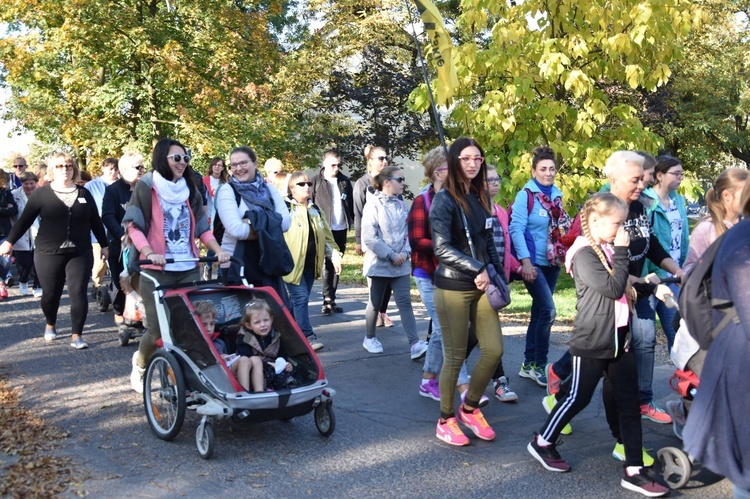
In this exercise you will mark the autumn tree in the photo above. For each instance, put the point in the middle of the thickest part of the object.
(709, 97)
(350, 81)
(547, 72)
(103, 76)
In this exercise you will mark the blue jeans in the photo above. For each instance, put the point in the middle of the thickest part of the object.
(643, 329)
(433, 361)
(542, 314)
(300, 296)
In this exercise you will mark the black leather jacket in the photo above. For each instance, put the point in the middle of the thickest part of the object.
(457, 269)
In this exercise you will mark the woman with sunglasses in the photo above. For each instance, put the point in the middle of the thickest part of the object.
(116, 196)
(376, 159)
(668, 214)
(163, 219)
(462, 236)
(63, 253)
(537, 222)
(387, 264)
(310, 241)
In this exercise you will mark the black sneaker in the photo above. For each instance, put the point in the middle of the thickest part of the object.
(325, 309)
(336, 309)
(548, 456)
(644, 483)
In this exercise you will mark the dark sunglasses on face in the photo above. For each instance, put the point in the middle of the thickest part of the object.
(381, 158)
(180, 157)
(400, 180)
(19, 166)
(66, 167)
(303, 184)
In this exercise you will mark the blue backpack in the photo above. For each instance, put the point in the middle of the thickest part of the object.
(530, 245)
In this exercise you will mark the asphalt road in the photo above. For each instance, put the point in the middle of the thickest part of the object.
(384, 443)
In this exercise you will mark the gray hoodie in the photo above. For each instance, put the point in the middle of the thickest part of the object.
(384, 236)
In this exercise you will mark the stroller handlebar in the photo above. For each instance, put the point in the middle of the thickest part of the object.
(135, 267)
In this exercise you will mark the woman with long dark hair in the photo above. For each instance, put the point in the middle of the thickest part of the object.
(464, 246)
(164, 217)
(217, 175)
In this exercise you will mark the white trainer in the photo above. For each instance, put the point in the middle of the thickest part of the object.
(372, 345)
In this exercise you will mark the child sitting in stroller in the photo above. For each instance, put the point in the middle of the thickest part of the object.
(262, 353)
(206, 312)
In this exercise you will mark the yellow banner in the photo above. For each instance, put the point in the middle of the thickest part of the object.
(442, 46)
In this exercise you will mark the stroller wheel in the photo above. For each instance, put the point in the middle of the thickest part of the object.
(164, 396)
(675, 466)
(102, 298)
(124, 335)
(325, 419)
(205, 439)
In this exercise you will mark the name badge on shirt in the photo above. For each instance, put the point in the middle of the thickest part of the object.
(343, 197)
(82, 200)
(488, 223)
(542, 212)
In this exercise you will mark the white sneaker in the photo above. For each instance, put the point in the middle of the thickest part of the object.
(23, 288)
(418, 350)
(49, 334)
(372, 345)
(136, 375)
(37, 292)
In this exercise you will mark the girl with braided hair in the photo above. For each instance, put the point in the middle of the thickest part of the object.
(600, 343)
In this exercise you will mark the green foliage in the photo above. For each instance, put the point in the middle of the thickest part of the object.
(548, 73)
(108, 76)
(710, 98)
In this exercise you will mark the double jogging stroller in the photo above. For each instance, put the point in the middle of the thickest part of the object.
(187, 372)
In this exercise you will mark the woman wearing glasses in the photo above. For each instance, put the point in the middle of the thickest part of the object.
(461, 222)
(668, 215)
(537, 222)
(62, 254)
(376, 159)
(244, 197)
(164, 217)
(387, 264)
(311, 242)
(116, 197)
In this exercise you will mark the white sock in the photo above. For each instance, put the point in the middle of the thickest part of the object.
(541, 442)
(633, 470)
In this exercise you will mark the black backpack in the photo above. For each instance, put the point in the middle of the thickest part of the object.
(697, 302)
(218, 226)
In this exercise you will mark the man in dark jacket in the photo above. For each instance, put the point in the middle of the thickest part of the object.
(116, 197)
(332, 193)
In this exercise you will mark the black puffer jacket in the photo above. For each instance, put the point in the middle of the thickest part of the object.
(457, 269)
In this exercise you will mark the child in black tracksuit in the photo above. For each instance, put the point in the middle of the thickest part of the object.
(600, 343)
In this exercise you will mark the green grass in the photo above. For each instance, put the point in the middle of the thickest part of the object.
(517, 311)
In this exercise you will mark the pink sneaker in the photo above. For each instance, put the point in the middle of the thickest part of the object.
(431, 390)
(654, 413)
(475, 422)
(450, 433)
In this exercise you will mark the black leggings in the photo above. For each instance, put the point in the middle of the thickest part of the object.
(115, 269)
(53, 271)
(621, 397)
(25, 265)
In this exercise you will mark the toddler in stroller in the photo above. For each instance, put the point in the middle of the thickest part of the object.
(263, 362)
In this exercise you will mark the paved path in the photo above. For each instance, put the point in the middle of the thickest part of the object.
(384, 443)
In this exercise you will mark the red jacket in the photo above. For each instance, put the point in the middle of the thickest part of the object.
(420, 235)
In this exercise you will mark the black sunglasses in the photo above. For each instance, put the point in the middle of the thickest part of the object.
(180, 157)
(381, 158)
(302, 184)
(400, 180)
